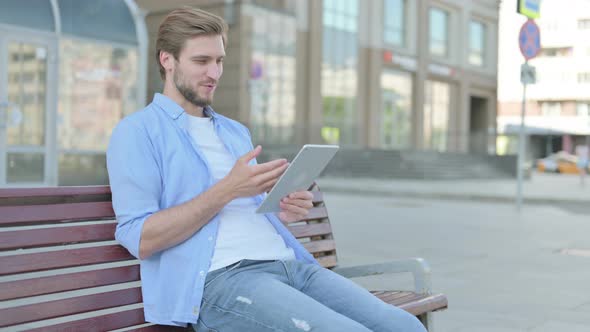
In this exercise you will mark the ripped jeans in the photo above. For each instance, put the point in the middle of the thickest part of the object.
(293, 296)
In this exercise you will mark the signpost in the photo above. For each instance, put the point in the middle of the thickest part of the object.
(529, 41)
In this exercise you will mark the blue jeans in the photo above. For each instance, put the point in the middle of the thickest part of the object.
(293, 296)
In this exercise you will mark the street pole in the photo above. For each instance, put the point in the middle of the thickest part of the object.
(521, 149)
(529, 42)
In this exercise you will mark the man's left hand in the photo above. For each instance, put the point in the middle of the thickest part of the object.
(296, 206)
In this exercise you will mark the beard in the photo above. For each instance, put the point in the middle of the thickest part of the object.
(191, 95)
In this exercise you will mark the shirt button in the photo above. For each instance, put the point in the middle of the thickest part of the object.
(202, 274)
(210, 238)
(196, 310)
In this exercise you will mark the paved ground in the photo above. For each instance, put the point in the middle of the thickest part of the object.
(539, 189)
(501, 269)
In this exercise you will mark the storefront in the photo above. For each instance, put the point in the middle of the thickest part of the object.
(69, 71)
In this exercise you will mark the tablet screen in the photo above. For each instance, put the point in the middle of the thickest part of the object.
(300, 175)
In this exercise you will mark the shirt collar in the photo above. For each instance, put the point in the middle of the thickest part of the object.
(174, 110)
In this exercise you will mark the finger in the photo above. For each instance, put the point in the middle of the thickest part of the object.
(304, 203)
(273, 174)
(268, 166)
(287, 217)
(294, 209)
(268, 185)
(301, 195)
(251, 154)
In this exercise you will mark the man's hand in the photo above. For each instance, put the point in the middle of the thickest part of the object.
(250, 180)
(296, 206)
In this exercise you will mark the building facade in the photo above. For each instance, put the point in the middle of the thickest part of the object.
(385, 74)
(558, 104)
(379, 74)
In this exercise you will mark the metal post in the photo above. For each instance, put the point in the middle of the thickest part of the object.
(586, 158)
(521, 149)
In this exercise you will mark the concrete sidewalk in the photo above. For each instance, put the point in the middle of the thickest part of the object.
(502, 270)
(539, 189)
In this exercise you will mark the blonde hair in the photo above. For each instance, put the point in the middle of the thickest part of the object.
(183, 24)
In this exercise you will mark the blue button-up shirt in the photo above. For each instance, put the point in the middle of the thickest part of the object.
(154, 164)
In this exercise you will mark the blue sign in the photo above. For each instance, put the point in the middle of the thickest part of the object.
(529, 8)
(529, 39)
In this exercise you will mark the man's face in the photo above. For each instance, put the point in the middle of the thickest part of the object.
(198, 69)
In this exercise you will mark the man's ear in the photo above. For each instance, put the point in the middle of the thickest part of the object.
(167, 61)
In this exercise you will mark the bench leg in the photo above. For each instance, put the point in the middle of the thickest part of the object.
(426, 320)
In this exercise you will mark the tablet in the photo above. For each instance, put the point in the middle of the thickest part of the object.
(303, 170)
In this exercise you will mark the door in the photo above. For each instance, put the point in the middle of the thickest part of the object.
(478, 125)
(28, 88)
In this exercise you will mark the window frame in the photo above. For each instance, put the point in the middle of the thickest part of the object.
(447, 42)
(404, 25)
(484, 47)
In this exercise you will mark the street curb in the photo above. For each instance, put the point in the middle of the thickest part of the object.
(448, 196)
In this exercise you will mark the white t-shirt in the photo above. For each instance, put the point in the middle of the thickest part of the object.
(242, 234)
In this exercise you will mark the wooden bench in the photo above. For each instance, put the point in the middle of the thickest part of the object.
(61, 270)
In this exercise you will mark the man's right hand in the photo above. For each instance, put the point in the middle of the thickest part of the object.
(251, 180)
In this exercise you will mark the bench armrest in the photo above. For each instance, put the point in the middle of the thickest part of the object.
(417, 266)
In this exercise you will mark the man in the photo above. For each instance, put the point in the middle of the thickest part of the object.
(185, 187)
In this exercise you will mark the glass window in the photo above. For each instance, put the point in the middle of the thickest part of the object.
(583, 109)
(27, 70)
(105, 20)
(551, 108)
(477, 41)
(24, 167)
(396, 109)
(584, 24)
(21, 13)
(556, 51)
(272, 76)
(439, 32)
(584, 77)
(339, 71)
(394, 22)
(77, 169)
(98, 87)
(437, 101)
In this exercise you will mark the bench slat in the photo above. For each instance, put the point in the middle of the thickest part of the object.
(428, 304)
(318, 197)
(70, 306)
(28, 214)
(100, 323)
(31, 238)
(67, 282)
(408, 299)
(320, 245)
(300, 231)
(54, 191)
(62, 258)
(316, 213)
(327, 261)
(162, 328)
(395, 297)
(413, 303)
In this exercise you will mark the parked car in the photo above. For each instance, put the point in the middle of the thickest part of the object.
(560, 162)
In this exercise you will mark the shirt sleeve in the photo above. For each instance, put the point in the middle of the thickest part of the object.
(135, 181)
